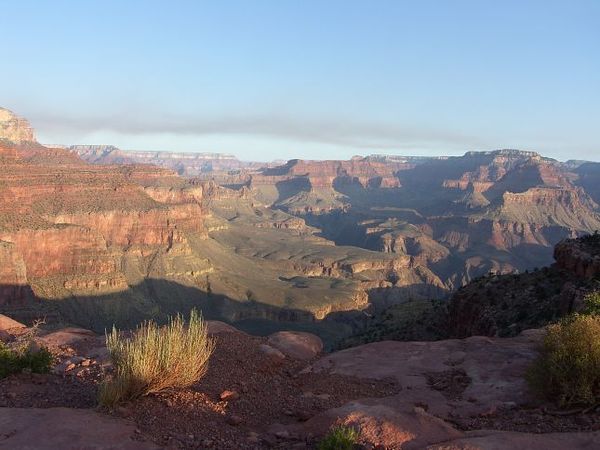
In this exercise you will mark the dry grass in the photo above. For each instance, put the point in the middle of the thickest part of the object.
(156, 358)
(568, 368)
(339, 438)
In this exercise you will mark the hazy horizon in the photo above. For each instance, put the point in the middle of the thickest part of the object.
(280, 80)
(364, 154)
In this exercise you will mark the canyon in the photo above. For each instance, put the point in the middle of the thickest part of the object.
(310, 274)
(95, 235)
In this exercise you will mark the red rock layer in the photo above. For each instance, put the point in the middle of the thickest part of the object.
(66, 225)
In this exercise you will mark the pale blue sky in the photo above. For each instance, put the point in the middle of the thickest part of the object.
(312, 79)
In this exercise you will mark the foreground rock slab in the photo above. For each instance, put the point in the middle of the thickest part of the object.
(451, 377)
(66, 429)
(68, 336)
(504, 440)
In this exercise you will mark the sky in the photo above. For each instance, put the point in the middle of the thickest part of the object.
(323, 79)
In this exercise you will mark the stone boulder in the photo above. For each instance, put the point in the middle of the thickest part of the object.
(7, 324)
(68, 336)
(296, 344)
(216, 327)
(383, 422)
(271, 352)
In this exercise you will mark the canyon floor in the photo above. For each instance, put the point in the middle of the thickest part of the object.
(283, 392)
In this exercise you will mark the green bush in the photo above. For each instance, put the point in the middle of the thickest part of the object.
(592, 303)
(156, 358)
(339, 438)
(567, 370)
(14, 360)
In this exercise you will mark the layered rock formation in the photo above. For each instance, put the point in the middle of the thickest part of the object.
(314, 186)
(186, 163)
(460, 217)
(587, 175)
(66, 227)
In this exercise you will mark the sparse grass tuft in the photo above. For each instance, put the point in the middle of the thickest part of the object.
(339, 438)
(156, 358)
(567, 370)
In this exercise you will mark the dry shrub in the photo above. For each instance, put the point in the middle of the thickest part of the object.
(156, 358)
(25, 354)
(567, 370)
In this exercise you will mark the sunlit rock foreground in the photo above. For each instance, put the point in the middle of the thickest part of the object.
(282, 392)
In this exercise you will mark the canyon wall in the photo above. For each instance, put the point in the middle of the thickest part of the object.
(184, 163)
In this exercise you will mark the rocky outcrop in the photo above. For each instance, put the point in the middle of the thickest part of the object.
(483, 362)
(296, 344)
(570, 208)
(503, 305)
(14, 128)
(581, 257)
(445, 384)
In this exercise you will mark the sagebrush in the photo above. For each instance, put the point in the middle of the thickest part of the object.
(567, 370)
(155, 358)
(339, 438)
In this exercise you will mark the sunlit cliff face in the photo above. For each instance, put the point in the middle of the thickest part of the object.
(14, 128)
